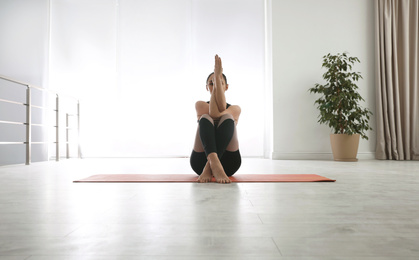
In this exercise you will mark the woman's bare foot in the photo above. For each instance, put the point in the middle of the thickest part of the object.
(206, 175)
(217, 169)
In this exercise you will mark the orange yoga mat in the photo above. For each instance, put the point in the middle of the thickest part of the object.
(194, 178)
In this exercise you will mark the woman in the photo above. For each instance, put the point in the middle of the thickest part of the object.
(216, 149)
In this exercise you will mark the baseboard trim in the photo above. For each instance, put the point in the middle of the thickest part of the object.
(317, 156)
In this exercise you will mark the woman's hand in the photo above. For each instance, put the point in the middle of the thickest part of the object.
(218, 101)
(218, 67)
(219, 83)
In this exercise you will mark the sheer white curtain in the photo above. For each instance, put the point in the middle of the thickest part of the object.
(139, 67)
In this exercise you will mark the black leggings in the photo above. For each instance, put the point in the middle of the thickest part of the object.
(220, 138)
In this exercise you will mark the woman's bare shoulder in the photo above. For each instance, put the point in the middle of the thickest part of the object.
(235, 111)
(235, 108)
(201, 103)
(201, 108)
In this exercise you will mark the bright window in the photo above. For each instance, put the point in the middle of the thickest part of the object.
(140, 66)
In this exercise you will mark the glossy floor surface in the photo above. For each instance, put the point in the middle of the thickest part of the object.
(370, 212)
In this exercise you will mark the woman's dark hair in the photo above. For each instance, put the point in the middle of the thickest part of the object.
(224, 76)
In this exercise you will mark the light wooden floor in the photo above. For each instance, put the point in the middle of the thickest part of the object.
(371, 212)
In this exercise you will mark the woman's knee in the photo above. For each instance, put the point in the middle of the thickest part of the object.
(207, 117)
(225, 117)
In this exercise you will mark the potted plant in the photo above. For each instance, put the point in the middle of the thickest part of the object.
(339, 106)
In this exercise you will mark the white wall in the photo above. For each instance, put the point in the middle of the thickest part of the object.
(303, 31)
(24, 26)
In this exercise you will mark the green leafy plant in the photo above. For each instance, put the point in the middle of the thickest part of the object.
(339, 104)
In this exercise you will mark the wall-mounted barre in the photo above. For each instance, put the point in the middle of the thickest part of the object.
(28, 139)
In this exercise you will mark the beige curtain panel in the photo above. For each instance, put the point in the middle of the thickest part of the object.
(397, 56)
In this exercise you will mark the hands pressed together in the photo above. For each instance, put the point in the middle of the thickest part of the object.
(218, 67)
(218, 73)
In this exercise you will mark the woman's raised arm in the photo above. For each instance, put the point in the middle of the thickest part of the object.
(220, 85)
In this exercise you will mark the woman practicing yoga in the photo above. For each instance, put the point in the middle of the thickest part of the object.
(216, 149)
